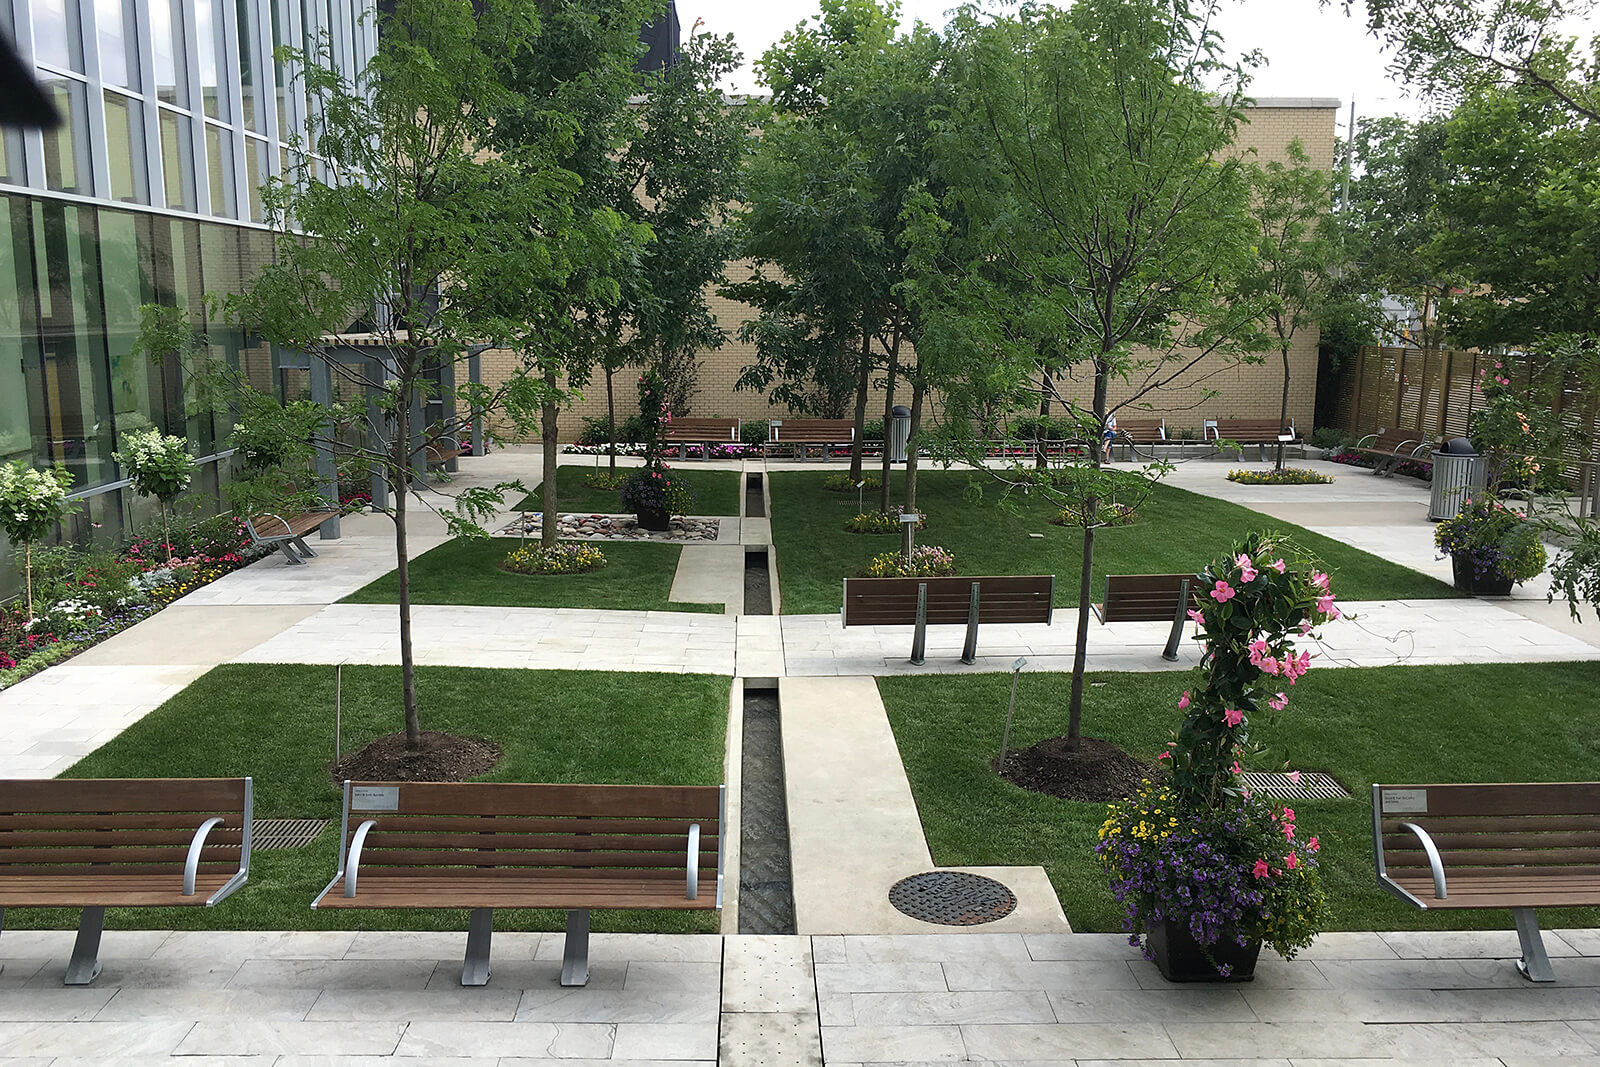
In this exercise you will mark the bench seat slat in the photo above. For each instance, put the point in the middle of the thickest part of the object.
(1519, 857)
(492, 838)
(119, 890)
(113, 855)
(893, 601)
(220, 835)
(1446, 839)
(1480, 801)
(120, 796)
(694, 803)
(678, 826)
(381, 889)
(492, 856)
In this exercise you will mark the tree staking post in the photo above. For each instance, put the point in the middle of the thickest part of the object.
(908, 529)
(1005, 736)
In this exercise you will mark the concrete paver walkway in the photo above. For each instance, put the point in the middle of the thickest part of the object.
(345, 999)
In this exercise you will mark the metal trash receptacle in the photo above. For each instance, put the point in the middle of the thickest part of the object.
(899, 432)
(1458, 471)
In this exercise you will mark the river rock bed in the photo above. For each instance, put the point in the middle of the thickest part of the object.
(578, 527)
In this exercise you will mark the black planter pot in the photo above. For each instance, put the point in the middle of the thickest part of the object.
(1468, 581)
(654, 520)
(1181, 959)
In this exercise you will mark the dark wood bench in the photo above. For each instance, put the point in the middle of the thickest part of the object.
(796, 434)
(289, 529)
(1518, 846)
(1258, 432)
(922, 602)
(708, 432)
(1392, 448)
(482, 846)
(1136, 432)
(1149, 598)
(98, 843)
(440, 449)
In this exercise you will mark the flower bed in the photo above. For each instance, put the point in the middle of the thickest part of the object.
(1286, 476)
(1109, 515)
(842, 483)
(1411, 468)
(880, 522)
(84, 597)
(927, 561)
(562, 559)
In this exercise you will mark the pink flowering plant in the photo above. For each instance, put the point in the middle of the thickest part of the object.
(1197, 848)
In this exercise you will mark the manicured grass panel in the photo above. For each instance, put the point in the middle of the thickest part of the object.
(1177, 531)
(637, 577)
(715, 492)
(1489, 723)
(274, 722)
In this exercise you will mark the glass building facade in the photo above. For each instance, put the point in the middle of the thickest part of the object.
(174, 114)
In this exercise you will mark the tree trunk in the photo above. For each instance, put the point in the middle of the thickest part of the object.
(27, 574)
(399, 486)
(1091, 510)
(1039, 457)
(611, 418)
(888, 418)
(1283, 413)
(547, 422)
(918, 390)
(863, 388)
(166, 531)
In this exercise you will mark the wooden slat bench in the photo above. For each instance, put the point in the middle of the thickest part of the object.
(289, 529)
(439, 450)
(922, 602)
(796, 434)
(686, 432)
(1258, 432)
(98, 843)
(1136, 432)
(1149, 598)
(1518, 845)
(1392, 448)
(482, 846)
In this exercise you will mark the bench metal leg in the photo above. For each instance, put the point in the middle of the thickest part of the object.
(288, 554)
(575, 956)
(84, 967)
(2, 927)
(919, 640)
(1534, 964)
(480, 931)
(1171, 652)
(969, 651)
(303, 548)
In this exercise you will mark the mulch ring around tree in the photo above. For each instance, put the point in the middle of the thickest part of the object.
(442, 757)
(1097, 773)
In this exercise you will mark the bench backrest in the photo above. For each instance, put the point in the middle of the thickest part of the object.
(1389, 440)
(893, 601)
(1249, 431)
(110, 826)
(1141, 431)
(717, 430)
(1146, 597)
(1534, 824)
(462, 826)
(814, 431)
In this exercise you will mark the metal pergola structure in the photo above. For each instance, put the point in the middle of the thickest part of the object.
(373, 359)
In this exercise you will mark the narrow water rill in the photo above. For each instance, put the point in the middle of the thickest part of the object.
(755, 504)
(766, 896)
(757, 584)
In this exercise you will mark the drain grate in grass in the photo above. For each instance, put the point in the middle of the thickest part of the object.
(1313, 785)
(285, 833)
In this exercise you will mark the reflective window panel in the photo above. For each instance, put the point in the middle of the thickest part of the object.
(119, 42)
(125, 149)
(166, 27)
(66, 148)
(177, 161)
(219, 167)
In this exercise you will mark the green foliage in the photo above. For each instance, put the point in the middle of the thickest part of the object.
(927, 561)
(843, 483)
(1575, 574)
(1494, 539)
(563, 559)
(879, 522)
(597, 431)
(754, 431)
(606, 481)
(32, 501)
(158, 465)
(1330, 437)
(656, 488)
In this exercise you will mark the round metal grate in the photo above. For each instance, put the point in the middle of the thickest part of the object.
(952, 898)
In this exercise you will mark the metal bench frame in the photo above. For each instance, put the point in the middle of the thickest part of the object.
(969, 648)
(288, 537)
(1170, 653)
(1390, 462)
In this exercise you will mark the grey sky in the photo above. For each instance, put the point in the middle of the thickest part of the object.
(1311, 50)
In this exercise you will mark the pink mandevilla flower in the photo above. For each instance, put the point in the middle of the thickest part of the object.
(1326, 607)
(1268, 665)
(1183, 701)
(1278, 565)
(1294, 776)
(1233, 717)
(1261, 870)
(1291, 861)
(1319, 580)
(1312, 845)
(1222, 593)
(1279, 702)
(1194, 614)
(1236, 769)
(1247, 570)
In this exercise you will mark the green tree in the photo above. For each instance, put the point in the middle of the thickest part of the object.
(432, 235)
(1092, 146)
(31, 503)
(1294, 255)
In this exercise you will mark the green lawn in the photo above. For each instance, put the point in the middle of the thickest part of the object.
(637, 577)
(274, 722)
(1177, 532)
(715, 492)
(1489, 723)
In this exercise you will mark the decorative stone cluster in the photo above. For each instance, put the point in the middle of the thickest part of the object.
(613, 528)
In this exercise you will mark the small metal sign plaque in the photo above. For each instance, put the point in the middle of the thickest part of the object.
(1404, 801)
(375, 798)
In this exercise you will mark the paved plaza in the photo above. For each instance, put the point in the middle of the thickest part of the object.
(860, 983)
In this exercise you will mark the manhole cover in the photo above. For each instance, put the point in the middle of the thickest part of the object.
(1313, 785)
(285, 833)
(952, 898)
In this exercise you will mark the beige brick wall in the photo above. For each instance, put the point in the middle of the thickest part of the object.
(1211, 391)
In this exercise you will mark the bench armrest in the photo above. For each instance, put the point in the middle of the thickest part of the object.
(692, 888)
(257, 534)
(191, 864)
(1434, 861)
(354, 859)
